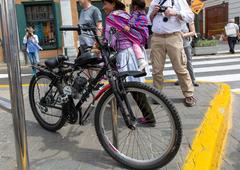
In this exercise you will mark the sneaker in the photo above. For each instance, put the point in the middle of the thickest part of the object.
(98, 87)
(142, 64)
(190, 101)
(146, 123)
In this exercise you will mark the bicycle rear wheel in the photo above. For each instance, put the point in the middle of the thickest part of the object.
(154, 142)
(46, 109)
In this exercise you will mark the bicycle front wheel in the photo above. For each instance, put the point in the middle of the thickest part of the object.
(157, 136)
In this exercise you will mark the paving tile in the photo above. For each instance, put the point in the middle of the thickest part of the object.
(77, 148)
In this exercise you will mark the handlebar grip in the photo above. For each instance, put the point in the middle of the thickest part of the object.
(69, 28)
(87, 27)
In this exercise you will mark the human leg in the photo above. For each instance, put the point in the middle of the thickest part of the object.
(140, 56)
(179, 61)
(158, 57)
(188, 52)
(230, 43)
(32, 59)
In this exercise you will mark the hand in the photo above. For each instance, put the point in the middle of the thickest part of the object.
(95, 45)
(182, 34)
(156, 10)
(170, 12)
(127, 28)
(95, 49)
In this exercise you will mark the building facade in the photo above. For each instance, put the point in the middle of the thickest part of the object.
(46, 16)
(216, 15)
(234, 10)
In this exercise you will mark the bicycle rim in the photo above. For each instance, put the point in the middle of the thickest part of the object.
(46, 113)
(149, 143)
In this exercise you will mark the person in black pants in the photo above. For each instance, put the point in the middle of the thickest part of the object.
(232, 32)
(232, 42)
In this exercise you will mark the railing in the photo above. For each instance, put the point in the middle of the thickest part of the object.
(16, 104)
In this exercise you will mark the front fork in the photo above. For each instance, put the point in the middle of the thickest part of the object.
(121, 95)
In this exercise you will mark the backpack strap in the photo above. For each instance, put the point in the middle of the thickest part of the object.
(164, 1)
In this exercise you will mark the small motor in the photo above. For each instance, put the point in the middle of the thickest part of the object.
(78, 86)
(67, 91)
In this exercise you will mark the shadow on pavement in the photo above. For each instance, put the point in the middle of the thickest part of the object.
(69, 148)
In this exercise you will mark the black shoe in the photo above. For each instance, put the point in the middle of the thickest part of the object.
(196, 84)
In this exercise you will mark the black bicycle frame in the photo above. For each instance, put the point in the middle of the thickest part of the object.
(115, 81)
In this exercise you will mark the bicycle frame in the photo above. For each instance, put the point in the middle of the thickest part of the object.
(115, 82)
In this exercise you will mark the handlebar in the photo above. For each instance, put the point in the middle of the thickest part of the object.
(69, 28)
(78, 28)
(88, 27)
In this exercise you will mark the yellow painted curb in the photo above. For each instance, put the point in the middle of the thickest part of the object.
(23, 85)
(209, 143)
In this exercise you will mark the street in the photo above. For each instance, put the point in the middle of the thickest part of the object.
(219, 68)
(213, 68)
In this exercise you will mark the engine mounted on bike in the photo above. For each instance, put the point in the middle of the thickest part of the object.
(78, 86)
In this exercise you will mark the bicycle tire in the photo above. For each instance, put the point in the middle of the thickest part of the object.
(135, 164)
(46, 125)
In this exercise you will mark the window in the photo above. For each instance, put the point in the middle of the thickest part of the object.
(42, 19)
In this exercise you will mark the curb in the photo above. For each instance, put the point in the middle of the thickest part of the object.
(209, 142)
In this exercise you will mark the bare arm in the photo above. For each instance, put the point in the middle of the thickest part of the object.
(97, 17)
(184, 12)
(237, 29)
(99, 28)
(153, 10)
(192, 31)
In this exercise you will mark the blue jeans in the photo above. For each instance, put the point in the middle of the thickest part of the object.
(34, 59)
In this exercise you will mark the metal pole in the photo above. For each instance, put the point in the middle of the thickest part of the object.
(114, 122)
(11, 51)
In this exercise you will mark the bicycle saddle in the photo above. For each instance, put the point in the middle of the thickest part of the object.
(87, 58)
(54, 62)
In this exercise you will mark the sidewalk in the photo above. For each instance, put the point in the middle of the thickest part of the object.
(224, 48)
(77, 148)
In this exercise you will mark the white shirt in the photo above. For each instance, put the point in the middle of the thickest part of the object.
(34, 39)
(173, 24)
(232, 29)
